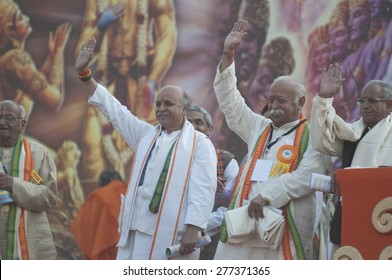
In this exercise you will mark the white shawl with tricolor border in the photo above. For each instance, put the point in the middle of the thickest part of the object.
(173, 197)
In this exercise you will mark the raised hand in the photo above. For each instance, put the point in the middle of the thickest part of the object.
(110, 15)
(331, 81)
(231, 42)
(86, 55)
(234, 38)
(58, 41)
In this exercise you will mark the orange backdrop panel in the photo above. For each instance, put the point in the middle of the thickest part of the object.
(361, 190)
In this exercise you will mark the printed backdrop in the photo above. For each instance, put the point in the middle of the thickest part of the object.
(160, 42)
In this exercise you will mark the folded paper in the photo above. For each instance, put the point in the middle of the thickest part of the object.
(268, 230)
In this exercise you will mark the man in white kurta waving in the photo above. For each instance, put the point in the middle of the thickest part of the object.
(365, 143)
(173, 180)
(279, 147)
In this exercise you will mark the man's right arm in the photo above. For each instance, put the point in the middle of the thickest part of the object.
(128, 125)
(326, 126)
(232, 41)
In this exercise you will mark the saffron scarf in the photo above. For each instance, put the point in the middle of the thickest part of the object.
(242, 192)
(21, 166)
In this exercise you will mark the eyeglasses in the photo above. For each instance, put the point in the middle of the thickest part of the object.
(9, 118)
(370, 101)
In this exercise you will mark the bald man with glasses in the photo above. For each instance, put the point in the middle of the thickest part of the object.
(364, 143)
(28, 188)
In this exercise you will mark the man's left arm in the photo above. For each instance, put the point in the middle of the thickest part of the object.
(33, 195)
(201, 193)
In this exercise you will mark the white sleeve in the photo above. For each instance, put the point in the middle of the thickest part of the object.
(202, 184)
(128, 125)
(231, 170)
(215, 221)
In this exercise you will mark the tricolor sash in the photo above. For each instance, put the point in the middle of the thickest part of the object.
(21, 166)
(176, 185)
(241, 191)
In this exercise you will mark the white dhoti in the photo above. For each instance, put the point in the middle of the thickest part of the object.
(138, 248)
(226, 251)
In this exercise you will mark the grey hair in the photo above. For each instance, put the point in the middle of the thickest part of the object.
(206, 115)
(386, 89)
(22, 112)
(186, 99)
(298, 85)
(21, 109)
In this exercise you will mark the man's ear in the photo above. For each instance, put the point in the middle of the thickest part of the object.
(210, 129)
(389, 105)
(22, 125)
(301, 102)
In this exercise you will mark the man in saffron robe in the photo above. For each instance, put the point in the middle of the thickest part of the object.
(281, 142)
(95, 226)
(28, 188)
(173, 178)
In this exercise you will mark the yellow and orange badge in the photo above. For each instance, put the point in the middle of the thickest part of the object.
(36, 177)
(286, 155)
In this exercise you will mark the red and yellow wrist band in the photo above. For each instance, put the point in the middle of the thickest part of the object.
(85, 75)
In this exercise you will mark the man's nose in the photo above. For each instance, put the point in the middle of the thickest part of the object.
(273, 104)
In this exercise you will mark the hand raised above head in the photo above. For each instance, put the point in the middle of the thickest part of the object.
(231, 42)
(110, 15)
(234, 38)
(86, 55)
(331, 81)
(59, 39)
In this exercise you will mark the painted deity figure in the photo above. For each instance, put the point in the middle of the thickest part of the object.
(376, 57)
(70, 188)
(318, 60)
(277, 59)
(136, 43)
(339, 42)
(358, 25)
(20, 80)
(247, 55)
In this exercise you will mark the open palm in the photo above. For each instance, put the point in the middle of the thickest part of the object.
(235, 36)
(86, 55)
(331, 81)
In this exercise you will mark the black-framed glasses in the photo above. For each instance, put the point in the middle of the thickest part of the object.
(371, 101)
(10, 118)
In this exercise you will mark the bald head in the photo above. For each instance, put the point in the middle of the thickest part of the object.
(171, 105)
(185, 98)
(12, 122)
(12, 105)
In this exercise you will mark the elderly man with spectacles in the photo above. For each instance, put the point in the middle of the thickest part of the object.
(28, 188)
(364, 143)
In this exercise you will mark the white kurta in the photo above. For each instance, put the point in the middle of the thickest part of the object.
(279, 190)
(199, 196)
(216, 218)
(329, 131)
